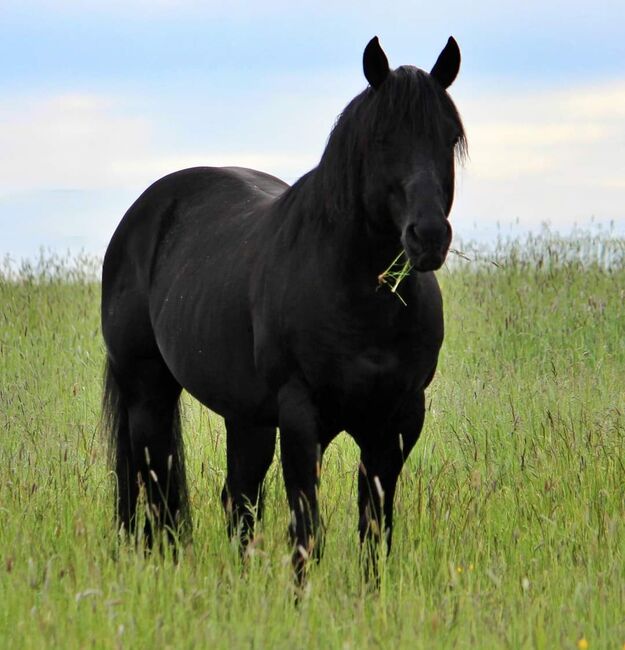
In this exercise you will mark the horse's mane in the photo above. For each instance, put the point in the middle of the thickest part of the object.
(408, 99)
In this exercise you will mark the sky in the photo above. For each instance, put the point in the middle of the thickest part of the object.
(99, 99)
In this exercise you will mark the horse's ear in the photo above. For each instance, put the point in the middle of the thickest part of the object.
(448, 63)
(375, 63)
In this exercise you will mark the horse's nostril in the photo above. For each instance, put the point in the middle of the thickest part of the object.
(430, 233)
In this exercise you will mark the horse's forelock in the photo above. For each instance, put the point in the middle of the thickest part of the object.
(415, 102)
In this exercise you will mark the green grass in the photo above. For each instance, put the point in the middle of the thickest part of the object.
(510, 512)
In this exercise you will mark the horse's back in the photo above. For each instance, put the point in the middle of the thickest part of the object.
(171, 203)
(188, 191)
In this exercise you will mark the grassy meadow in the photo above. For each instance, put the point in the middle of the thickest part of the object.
(510, 514)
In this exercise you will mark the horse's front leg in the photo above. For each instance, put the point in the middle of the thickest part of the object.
(250, 451)
(301, 451)
(382, 458)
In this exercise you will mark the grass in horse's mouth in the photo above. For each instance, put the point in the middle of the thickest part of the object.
(397, 270)
(400, 268)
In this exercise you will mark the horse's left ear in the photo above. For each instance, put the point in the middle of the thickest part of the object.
(375, 63)
(447, 65)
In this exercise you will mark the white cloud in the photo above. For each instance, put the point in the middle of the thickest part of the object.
(82, 141)
(547, 155)
(65, 141)
(605, 102)
(545, 131)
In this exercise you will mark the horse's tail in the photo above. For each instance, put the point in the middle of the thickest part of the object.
(116, 431)
(116, 427)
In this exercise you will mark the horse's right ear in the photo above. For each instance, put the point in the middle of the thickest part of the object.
(375, 63)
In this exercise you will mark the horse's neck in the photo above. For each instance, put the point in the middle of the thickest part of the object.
(369, 253)
(336, 232)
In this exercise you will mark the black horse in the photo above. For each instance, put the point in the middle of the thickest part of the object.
(263, 301)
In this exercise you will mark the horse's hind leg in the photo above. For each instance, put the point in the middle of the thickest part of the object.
(148, 447)
(250, 451)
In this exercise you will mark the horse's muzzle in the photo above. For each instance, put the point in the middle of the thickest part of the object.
(427, 247)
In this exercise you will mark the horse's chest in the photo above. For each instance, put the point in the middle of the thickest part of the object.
(366, 369)
(374, 374)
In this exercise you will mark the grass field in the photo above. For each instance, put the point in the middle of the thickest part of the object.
(510, 525)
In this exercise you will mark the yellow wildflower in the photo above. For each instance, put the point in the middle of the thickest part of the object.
(582, 644)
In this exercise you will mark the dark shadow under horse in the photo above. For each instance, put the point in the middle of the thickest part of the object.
(263, 301)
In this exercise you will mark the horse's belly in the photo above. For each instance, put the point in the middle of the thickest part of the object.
(210, 353)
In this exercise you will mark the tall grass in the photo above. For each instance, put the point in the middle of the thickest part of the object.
(510, 528)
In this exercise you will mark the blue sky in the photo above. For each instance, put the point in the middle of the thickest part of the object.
(98, 99)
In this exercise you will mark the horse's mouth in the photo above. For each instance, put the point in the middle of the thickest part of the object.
(428, 260)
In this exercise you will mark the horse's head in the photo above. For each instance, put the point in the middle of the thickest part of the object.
(409, 136)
